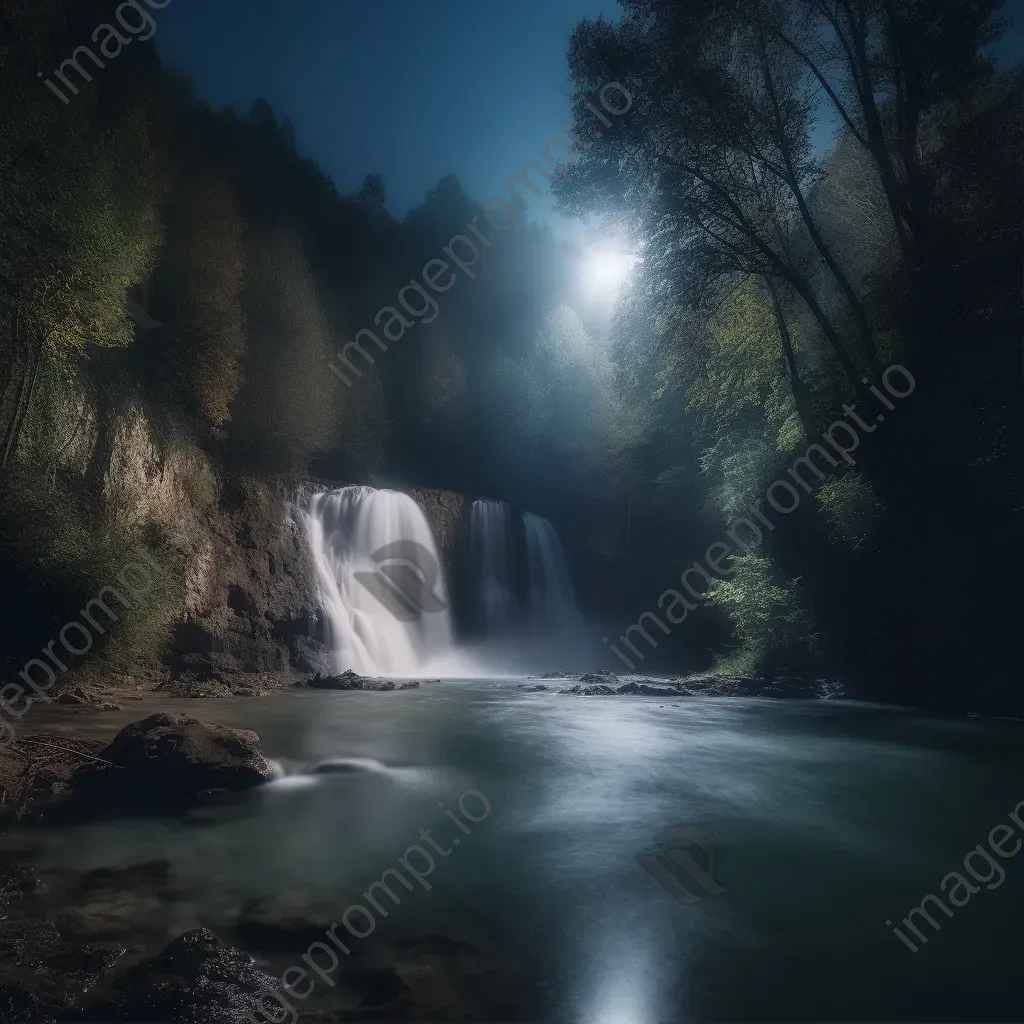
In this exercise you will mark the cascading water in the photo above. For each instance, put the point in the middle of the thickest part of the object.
(490, 544)
(552, 601)
(381, 584)
(543, 627)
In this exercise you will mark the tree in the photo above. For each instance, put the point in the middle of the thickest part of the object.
(75, 235)
(287, 410)
(716, 151)
(200, 283)
(372, 191)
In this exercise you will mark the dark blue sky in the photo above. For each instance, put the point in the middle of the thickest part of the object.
(407, 88)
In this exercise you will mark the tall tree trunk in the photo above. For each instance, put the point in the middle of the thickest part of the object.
(856, 306)
(909, 222)
(8, 364)
(27, 392)
(803, 288)
(25, 363)
(801, 394)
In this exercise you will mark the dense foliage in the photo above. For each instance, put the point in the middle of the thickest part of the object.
(783, 270)
(175, 281)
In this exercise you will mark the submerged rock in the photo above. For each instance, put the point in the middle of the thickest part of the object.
(445, 978)
(292, 919)
(111, 915)
(123, 903)
(150, 872)
(194, 980)
(175, 756)
(348, 765)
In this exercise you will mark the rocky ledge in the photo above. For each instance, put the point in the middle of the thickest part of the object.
(349, 680)
(700, 684)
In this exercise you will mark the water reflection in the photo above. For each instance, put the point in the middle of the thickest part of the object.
(827, 817)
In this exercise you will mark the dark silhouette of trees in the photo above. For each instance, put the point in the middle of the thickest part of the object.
(747, 218)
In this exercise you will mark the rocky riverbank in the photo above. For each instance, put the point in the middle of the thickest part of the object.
(92, 945)
(698, 684)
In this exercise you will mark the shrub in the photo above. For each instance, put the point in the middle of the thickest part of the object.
(768, 617)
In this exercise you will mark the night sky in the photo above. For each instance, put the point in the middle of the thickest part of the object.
(412, 90)
(409, 89)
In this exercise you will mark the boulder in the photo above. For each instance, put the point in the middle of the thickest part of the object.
(76, 696)
(194, 980)
(596, 690)
(175, 756)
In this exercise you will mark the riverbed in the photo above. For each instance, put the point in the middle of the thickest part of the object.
(826, 819)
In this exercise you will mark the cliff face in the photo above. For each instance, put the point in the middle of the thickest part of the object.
(241, 586)
(242, 594)
(249, 585)
(248, 588)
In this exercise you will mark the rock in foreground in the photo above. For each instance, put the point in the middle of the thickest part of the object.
(195, 980)
(176, 757)
(42, 975)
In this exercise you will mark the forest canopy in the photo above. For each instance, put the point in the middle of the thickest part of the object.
(799, 185)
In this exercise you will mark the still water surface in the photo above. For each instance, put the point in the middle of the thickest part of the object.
(830, 818)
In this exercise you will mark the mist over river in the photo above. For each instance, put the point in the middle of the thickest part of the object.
(829, 819)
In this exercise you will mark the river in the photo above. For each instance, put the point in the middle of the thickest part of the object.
(829, 818)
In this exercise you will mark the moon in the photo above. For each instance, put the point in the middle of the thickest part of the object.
(605, 270)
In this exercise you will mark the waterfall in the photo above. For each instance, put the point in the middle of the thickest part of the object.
(490, 545)
(552, 602)
(381, 583)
